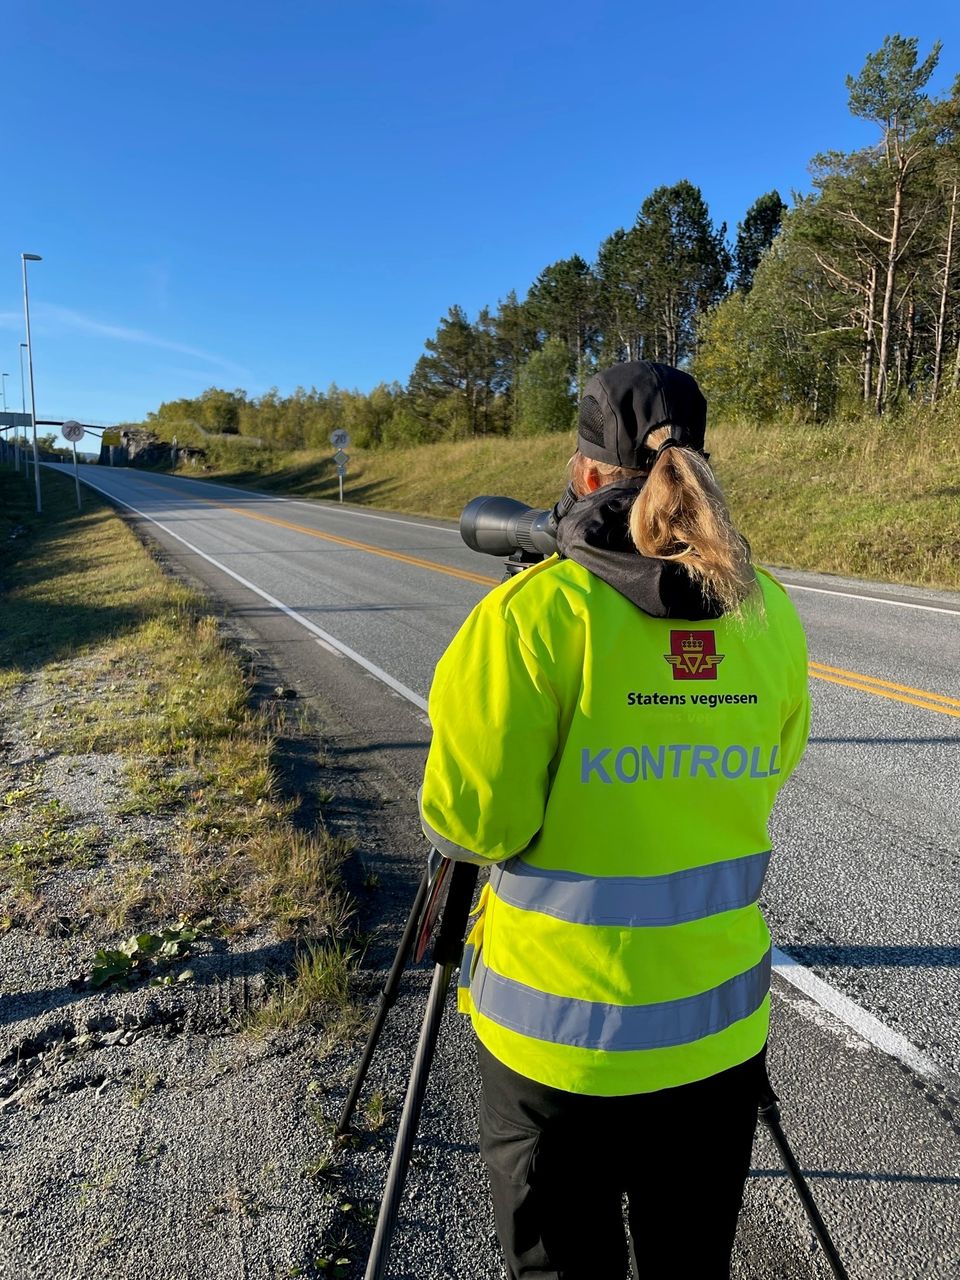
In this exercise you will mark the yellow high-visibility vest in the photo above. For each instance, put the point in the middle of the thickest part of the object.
(619, 770)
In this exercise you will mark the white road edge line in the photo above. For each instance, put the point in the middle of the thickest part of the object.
(846, 1011)
(835, 1002)
(437, 528)
(850, 595)
(304, 502)
(318, 632)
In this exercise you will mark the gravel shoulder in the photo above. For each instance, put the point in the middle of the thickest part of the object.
(164, 1129)
(168, 803)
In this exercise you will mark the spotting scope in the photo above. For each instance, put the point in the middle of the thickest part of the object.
(500, 526)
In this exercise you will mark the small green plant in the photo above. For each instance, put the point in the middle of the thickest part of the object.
(19, 795)
(375, 1110)
(142, 1085)
(151, 1153)
(368, 1212)
(326, 1166)
(100, 1180)
(335, 1259)
(53, 812)
(140, 955)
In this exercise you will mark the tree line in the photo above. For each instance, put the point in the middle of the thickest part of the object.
(848, 298)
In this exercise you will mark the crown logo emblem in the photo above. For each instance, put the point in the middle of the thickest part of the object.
(693, 655)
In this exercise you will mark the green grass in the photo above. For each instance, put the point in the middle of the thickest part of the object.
(870, 498)
(100, 651)
(320, 985)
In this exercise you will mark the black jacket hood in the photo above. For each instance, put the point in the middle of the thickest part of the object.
(594, 533)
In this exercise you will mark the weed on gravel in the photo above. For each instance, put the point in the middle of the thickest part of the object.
(319, 984)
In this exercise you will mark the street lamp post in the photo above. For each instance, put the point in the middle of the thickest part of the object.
(25, 258)
(23, 410)
(3, 388)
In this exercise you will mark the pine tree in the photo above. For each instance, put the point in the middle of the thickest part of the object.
(755, 234)
(453, 382)
(683, 262)
(621, 299)
(563, 303)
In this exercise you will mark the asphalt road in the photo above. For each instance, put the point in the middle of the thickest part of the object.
(357, 606)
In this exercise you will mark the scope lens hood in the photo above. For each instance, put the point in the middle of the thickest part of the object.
(499, 526)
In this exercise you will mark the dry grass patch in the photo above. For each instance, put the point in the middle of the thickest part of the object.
(292, 881)
(125, 895)
(102, 654)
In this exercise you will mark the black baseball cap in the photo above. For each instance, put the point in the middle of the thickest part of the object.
(623, 404)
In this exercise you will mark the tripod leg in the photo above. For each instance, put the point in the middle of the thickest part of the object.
(447, 955)
(387, 999)
(770, 1115)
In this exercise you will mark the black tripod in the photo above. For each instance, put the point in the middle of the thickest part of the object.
(447, 954)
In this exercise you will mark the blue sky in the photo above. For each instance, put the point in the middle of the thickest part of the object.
(238, 195)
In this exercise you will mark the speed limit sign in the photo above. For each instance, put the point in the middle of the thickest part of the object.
(72, 431)
(340, 439)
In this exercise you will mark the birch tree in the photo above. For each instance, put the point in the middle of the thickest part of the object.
(890, 92)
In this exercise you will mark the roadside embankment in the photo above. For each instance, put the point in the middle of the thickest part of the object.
(176, 946)
(869, 498)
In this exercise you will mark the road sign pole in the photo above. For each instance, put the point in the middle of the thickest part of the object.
(73, 432)
(340, 439)
(76, 476)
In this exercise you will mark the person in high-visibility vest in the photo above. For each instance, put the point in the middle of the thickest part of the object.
(610, 731)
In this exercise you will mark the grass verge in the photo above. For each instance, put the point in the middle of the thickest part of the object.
(867, 497)
(119, 696)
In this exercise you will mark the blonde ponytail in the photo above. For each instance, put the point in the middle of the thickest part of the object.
(680, 515)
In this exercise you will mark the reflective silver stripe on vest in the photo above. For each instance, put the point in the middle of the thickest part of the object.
(632, 901)
(466, 964)
(613, 1027)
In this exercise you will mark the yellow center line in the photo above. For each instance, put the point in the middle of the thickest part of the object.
(819, 670)
(932, 704)
(817, 667)
(464, 574)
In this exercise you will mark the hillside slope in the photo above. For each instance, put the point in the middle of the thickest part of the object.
(872, 499)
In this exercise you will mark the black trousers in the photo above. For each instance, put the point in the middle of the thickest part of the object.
(560, 1163)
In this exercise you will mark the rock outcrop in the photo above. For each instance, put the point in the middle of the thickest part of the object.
(141, 448)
